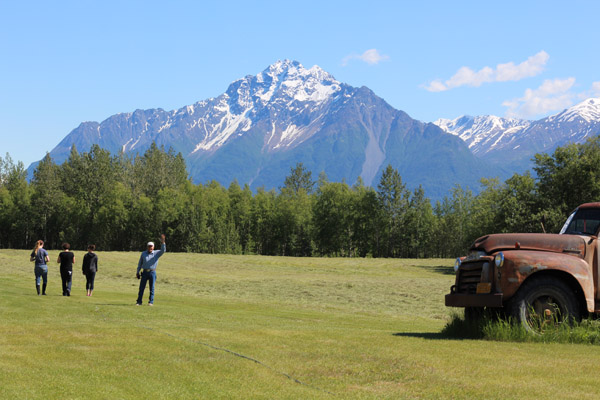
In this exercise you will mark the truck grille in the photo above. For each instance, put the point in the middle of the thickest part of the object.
(468, 277)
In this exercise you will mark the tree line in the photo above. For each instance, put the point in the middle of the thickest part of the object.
(118, 202)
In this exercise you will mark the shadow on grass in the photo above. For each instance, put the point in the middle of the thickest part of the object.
(441, 269)
(427, 335)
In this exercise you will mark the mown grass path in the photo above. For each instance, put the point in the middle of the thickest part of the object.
(251, 327)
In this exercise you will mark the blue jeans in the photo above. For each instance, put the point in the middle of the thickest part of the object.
(150, 277)
(41, 272)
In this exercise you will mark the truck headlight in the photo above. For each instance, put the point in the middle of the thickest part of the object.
(499, 260)
(457, 264)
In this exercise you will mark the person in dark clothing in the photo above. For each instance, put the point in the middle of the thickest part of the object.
(89, 268)
(66, 259)
(40, 256)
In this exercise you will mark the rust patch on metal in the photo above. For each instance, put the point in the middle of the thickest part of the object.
(529, 269)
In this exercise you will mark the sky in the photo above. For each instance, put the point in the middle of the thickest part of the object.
(66, 62)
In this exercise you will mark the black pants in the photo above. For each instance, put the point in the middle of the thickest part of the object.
(66, 277)
(89, 280)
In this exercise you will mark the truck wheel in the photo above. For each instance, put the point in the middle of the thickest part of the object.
(543, 302)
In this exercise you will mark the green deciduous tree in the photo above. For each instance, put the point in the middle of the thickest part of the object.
(48, 203)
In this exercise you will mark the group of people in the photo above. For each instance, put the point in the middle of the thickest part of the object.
(66, 259)
(146, 270)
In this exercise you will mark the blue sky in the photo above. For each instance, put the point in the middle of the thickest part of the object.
(65, 62)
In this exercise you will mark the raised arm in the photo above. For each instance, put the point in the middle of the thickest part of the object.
(163, 245)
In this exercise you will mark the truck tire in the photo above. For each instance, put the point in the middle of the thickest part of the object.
(544, 301)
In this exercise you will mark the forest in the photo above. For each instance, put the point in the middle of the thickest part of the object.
(118, 202)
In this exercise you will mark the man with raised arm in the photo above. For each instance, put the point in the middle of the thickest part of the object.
(147, 265)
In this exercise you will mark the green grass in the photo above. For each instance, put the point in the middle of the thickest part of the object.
(586, 331)
(343, 328)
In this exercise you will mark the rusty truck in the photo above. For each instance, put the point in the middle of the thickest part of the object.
(533, 277)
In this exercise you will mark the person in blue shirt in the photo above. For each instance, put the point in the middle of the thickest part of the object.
(40, 256)
(147, 264)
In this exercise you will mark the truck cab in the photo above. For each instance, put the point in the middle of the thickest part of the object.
(533, 275)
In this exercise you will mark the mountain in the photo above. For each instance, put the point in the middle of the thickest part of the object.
(483, 134)
(514, 141)
(264, 124)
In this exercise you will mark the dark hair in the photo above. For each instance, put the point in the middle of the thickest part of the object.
(66, 246)
(91, 247)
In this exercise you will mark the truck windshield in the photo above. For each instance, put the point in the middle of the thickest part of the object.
(584, 221)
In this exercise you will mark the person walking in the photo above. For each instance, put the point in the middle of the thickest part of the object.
(40, 256)
(89, 268)
(147, 264)
(66, 259)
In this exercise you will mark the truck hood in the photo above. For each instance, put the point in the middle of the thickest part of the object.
(571, 244)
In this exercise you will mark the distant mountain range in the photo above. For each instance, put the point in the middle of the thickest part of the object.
(264, 124)
(507, 141)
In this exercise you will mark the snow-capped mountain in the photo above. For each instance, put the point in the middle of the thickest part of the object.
(588, 111)
(285, 89)
(264, 124)
(483, 133)
(503, 140)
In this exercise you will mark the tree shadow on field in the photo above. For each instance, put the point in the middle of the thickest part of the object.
(440, 269)
(426, 335)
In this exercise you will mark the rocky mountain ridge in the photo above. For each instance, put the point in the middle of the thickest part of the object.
(502, 140)
(263, 124)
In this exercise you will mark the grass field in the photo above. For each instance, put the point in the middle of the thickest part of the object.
(251, 327)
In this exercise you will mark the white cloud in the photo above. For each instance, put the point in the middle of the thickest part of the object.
(552, 95)
(371, 57)
(596, 89)
(465, 76)
(533, 66)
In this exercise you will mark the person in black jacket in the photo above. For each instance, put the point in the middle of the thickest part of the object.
(89, 268)
(66, 259)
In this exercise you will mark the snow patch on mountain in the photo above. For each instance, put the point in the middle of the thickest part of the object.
(588, 111)
(285, 91)
(227, 126)
(494, 136)
(483, 133)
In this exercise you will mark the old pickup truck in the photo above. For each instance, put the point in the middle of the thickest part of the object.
(533, 276)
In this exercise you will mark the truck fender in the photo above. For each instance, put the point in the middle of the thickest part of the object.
(520, 265)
